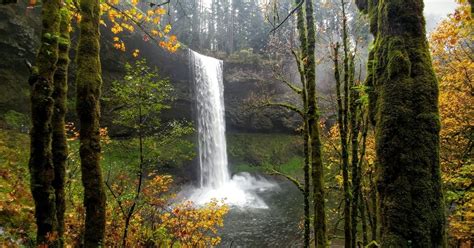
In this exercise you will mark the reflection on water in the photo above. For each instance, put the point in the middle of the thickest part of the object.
(277, 226)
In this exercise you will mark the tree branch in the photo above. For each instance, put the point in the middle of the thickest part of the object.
(290, 178)
(287, 17)
(287, 106)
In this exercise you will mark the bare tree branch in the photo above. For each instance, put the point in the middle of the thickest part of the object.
(285, 105)
(288, 16)
(290, 178)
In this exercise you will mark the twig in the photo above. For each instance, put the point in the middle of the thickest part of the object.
(288, 16)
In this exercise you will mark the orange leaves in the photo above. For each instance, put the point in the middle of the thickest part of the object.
(160, 11)
(157, 222)
(120, 46)
(127, 18)
(195, 226)
(171, 44)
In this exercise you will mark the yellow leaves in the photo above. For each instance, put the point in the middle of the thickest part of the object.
(120, 46)
(167, 28)
(128, 27)
(186, 224)
(160, 11)
(136, 52)
(77, 16)
(126, 18)
(155, 32)
(116, 28)
(172, 44)
(156, 20)
(453, 64)
(195, 226)
(114, 2)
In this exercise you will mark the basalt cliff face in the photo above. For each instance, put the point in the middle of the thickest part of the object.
(243, 79)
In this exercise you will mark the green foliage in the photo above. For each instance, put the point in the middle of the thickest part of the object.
(259, 152)
(16, 120)
(140, 97)
(246, 56)
(16, 205)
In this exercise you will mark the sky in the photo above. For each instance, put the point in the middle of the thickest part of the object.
(432, 7)
(439, 7)
(436, 10)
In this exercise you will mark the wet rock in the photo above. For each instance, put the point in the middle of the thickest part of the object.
(19, 40)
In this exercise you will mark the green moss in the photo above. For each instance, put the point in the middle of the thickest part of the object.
(405, 112)
(89, 83)
(41, 165)
(262, 149)
(59, 142)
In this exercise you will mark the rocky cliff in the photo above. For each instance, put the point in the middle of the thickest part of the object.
(19, 35)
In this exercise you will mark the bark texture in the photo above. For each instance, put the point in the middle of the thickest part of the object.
(319, 222)
(40, 164)
(88, 85)
(59, 142)
(301, 25)
(344, 132)
(404, 106)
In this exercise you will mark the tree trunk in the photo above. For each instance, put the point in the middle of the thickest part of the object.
(307, 150)
(40, 164)
(59, 142)
(319, 223)
(88, 83)
(407, 126)
(355, 128)
(362, 202)
(344, 133)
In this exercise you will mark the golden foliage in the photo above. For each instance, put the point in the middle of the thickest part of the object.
(127, 18)
(452, 49)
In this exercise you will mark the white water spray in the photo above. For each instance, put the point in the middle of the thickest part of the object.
(215, 180)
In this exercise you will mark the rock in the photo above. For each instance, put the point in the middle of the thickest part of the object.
(19, 40)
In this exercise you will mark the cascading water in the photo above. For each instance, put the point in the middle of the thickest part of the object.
(209, 92)
(215, 181)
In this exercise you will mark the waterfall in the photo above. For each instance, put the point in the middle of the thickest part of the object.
(215, 182)
(209, 91)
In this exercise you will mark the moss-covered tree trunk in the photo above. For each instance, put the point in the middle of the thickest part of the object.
(405, 102)
(354, 112)
(89, 81)
(301, 26)
(319, 222)
(362, 203)
(59, 142)
(40, 164)
(344, 132)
